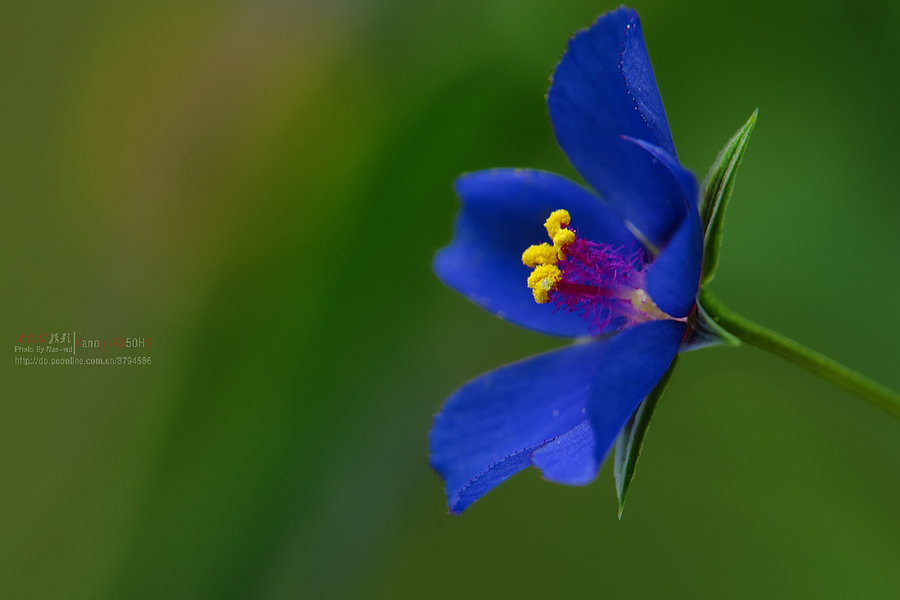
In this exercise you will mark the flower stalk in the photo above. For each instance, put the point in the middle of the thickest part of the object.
(838, 374)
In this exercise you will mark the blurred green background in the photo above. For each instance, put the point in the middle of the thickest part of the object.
(260, 186)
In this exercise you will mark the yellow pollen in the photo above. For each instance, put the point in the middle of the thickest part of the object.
(545, 254)
(543, 279)
(561, 239)
(556, 221)
(543, 258)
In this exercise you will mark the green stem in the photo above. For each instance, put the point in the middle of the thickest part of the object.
(748, 331)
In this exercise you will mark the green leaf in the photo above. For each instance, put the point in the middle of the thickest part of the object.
(716, 192)
(628, 445)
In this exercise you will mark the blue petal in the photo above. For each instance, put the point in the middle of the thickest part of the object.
(503, 212)
(674, 277)
(569, 458)
(641, 83)
(637, 359)
(489, 428)
(535, 412)
(687, 183)
(603, 88)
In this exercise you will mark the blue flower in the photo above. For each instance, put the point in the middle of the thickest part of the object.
(620, 273)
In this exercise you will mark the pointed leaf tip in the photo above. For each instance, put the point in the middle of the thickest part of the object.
(717, 191)
(631, 440)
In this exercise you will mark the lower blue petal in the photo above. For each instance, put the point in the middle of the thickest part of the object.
(502, 213)
(488, 428)
(536, 412)
(569, 458)
(635, 361)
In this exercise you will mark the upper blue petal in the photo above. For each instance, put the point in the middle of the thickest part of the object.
(674, 277)
(603, 88)
(635, 364)
(536, 412)
(502, 213)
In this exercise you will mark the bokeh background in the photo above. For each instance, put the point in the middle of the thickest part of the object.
(260, 187)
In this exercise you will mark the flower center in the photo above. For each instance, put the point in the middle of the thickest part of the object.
(602, 282)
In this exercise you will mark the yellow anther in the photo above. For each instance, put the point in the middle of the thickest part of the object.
(561, 239)
(545, 254)
(543, 258)
(543, 279)
(557, 220)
